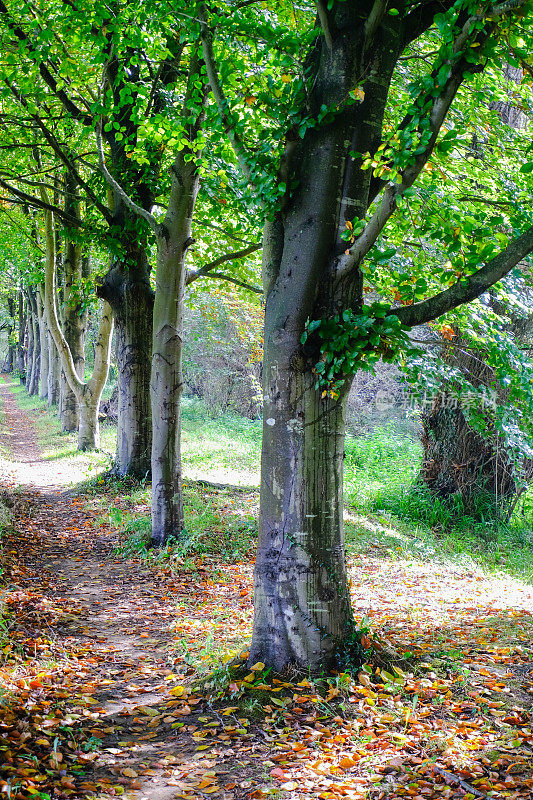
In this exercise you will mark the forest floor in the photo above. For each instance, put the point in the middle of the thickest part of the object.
(100, 656)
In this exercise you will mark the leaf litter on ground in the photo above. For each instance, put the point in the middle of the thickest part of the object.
(114, 682)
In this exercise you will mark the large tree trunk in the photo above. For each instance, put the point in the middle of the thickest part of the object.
(302, 608)
(129, 293)
(301, 597)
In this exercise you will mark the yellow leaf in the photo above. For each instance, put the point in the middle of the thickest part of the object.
(129, 773)
(286, 78)
(258, 667)
(177, 691)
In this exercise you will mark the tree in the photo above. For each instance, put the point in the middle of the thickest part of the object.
(87, 393)
(359, 139)
(43, 39)
(477, 437)
(477, 440)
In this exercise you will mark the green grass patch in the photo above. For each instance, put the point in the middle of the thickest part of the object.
(224, 450)
(404, 520)
(386, 509)
(219, 524)
(53, 443)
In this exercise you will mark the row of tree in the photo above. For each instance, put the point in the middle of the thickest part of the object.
(170, 132)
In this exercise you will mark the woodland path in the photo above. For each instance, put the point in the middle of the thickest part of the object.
(105, 625)
(90, 698)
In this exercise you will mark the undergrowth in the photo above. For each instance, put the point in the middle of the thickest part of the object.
(386, 507)
(406, 519)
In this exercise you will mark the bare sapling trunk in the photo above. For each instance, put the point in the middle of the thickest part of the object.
(87, 394)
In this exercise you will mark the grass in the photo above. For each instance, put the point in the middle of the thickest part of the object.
(405, 520)
(386, 511)
(52, 441)
(224, 450)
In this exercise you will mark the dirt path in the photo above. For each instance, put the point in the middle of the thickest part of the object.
(91, 703)
(111, 618)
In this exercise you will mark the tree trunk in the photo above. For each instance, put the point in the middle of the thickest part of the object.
(21, 352)
(301, 597)
(173, 239)
(166, 391)
(9, 364)
(33, 386)
(87, 394)
(132, 299)
(54, 371)
(9, 361)
(29, 351)
(89, 428)
(460, 461)
(74, 319)
(43, 345)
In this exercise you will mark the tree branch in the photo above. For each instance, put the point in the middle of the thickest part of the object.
(207, 269)
(220, 276)
(34, 202)
(221, 100)
(468, 289)
(324, 23)
(126, 199)
(45, 73)
(351, 259)
(373, 22)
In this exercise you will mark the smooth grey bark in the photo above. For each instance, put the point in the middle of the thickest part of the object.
(21, 350)
(33, 321)
(29, 351)
(87, 393)
(43, 345)
(54, 371)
